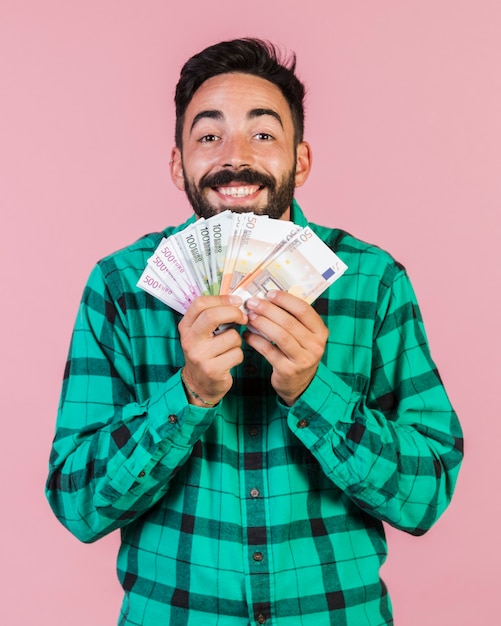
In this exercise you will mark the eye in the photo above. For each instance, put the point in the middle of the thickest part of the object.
(208, 138)
(264, 137)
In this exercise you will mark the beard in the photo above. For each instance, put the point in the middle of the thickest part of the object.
(280, 194)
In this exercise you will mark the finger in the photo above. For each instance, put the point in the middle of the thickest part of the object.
(290, 313)
(296, 307)
(266, 348)
(274, 341)
(275, 322)
(210, 369)
(208, 312)
(211, 347)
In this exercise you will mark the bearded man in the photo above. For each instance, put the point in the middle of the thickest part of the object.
(250, 473)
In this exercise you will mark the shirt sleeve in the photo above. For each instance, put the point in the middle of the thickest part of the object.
(113, 457)
(393, 444)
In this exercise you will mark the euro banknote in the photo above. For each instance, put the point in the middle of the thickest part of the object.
(241, 253)
(304, 266)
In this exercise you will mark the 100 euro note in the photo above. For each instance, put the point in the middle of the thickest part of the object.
(304, 267)
(220, 227)
(188, 242)
(233, 245)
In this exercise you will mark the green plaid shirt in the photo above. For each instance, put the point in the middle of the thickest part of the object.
(253, 512)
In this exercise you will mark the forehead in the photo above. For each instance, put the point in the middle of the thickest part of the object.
(237, 94)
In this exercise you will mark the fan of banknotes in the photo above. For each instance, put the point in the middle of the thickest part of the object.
(243, 254)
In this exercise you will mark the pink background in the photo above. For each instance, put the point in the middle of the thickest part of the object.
(403, 115)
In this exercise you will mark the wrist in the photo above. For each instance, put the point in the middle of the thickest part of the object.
(195, 398)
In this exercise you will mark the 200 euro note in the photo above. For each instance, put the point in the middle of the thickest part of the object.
(304, 267)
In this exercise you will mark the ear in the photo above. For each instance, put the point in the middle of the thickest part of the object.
(303, 163)
(176, 168)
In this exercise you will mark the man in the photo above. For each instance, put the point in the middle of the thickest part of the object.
(250, 473)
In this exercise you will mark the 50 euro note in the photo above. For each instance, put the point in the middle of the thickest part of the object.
(304, 267)
(258, 241)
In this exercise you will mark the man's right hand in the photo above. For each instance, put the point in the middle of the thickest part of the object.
(209, 357)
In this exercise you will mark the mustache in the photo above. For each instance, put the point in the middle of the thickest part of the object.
(246, 176)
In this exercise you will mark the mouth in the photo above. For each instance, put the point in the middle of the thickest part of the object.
(238, 191)
(235, 190)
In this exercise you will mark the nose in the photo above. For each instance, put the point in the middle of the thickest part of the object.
(237, 153)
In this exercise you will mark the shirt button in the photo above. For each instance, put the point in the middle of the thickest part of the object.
(172, 419)
(254, 492)
(250, 369)
(253, 431)
(261, 619)
(142, 473)
(303, 423)
(258, 556)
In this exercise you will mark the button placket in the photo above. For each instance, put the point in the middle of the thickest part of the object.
(253, 464)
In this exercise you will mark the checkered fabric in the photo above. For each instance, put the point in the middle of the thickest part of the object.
(253, 512)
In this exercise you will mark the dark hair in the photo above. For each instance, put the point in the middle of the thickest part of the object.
(247, 56)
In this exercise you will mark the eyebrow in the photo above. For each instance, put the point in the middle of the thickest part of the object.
(258, 112)
(212, 114)
(215, 114)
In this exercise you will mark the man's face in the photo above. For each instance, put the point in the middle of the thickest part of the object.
(238, 149)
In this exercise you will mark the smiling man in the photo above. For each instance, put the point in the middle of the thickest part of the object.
(250, 473)
(237, 151)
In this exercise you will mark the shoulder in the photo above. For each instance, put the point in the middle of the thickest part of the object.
(120, 270)
(138, 252)
(360, 256)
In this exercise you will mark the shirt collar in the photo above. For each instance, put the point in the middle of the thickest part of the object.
(297, 215)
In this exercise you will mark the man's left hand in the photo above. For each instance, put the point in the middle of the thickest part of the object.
(293, 342)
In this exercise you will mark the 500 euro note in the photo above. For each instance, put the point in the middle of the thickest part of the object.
(156, 286)
(168, 277)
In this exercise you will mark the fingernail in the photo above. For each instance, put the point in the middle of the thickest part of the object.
(252, 303)
(271, 295)
(237, 300)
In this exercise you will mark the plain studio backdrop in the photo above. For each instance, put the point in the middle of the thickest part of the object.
(403, 116)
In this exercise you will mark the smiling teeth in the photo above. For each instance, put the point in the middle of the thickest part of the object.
(237, 192)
